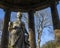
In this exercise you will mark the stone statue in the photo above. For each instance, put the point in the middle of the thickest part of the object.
(18, 33)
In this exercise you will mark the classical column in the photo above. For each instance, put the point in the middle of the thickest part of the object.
(55, 16)
(32, 39)
(5, 33)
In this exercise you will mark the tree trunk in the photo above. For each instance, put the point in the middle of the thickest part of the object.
(39, 39)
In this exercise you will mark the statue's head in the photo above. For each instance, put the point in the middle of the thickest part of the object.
(19, 15)
(10, 23)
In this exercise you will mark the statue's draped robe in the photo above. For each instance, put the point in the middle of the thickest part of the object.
(18, 35)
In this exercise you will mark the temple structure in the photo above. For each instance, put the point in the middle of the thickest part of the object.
(30, 7)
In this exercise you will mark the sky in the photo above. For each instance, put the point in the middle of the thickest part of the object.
(58, 6)
(46, 36)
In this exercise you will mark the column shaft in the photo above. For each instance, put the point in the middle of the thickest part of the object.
(55, 16)
(32, 39)
(5, 33)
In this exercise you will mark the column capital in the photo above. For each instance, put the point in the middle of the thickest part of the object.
(53, 2)
(31, 11)
(7, 9)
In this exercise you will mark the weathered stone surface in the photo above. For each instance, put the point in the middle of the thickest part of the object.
(18, 39)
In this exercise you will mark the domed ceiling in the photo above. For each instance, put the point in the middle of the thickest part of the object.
(24, 5)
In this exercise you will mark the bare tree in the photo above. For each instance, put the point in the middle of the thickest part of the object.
(42, 22)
